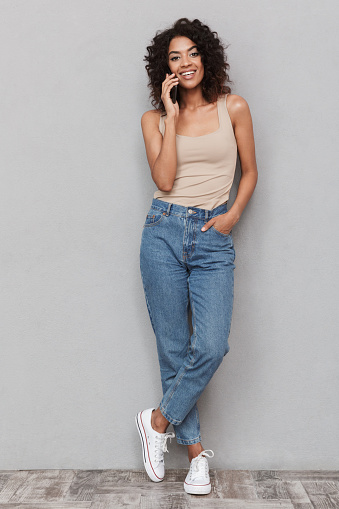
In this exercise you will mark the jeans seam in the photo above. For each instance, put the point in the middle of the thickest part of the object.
(194, 236)
(155, 223)
(147, 302)
(173, 390)
(193, 352)
(194, 325)
(189, 441)
(168, 417)
(197, 418)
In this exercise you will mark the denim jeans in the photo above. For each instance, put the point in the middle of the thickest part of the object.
(183, 267)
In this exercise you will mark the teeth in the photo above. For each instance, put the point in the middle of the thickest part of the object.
(187, 73)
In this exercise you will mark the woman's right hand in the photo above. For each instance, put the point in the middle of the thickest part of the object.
(172, 110)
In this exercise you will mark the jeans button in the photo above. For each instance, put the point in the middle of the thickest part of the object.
(190, 211)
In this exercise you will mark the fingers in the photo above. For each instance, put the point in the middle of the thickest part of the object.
(207, 226)
(170, 78)
(221, 223)
(170, 81)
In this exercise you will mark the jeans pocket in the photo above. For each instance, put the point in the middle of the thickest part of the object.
(154, 217)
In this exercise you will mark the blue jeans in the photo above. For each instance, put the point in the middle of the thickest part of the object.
(181, 267)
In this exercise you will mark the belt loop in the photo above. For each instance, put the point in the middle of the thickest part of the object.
(206, 214)
(169, 208)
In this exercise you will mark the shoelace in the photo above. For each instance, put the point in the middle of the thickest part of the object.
(161, 445)
(198, 464)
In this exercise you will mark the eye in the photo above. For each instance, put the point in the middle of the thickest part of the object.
(194, 53)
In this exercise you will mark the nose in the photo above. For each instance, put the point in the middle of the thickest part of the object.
(185, 61)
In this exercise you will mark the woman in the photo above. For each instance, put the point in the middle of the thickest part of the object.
(187, 253)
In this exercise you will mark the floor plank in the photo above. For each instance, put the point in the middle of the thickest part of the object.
(43, 486)
(115, 489)
(235, 484)
(323, 494)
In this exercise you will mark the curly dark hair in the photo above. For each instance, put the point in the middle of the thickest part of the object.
(212, 53)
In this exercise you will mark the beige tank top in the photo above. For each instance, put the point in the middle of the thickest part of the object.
(205, 165)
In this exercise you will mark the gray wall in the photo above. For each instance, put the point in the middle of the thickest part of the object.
(78, 356)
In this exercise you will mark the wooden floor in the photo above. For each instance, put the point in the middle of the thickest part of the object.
(232, 489)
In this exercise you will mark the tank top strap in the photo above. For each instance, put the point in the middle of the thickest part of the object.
(222, 110)
(225, 101)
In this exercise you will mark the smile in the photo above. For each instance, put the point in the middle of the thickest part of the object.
(188, 75)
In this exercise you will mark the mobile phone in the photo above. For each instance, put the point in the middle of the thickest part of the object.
(173, 93)
(174, 90)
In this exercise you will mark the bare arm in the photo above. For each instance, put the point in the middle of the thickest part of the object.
(161, 151)
(243, 130)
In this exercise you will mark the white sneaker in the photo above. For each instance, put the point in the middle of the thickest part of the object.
(154, 445)
(197, 481)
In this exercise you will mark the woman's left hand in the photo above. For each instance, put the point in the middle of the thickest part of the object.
(223, 223)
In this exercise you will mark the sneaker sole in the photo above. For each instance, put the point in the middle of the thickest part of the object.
(145, 452)
(204, 489)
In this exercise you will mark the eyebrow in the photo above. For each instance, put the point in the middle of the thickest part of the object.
(189, 49)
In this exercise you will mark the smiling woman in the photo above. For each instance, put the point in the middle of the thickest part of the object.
(187, 252)
(205, 47)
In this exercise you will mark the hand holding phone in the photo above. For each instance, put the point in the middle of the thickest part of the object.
(173, 94)
(169, 94)
(174, 89)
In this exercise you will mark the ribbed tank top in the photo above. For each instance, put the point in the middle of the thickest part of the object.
(205, 165)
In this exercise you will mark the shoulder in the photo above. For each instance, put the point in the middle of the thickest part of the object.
(150, 124)
(150, 117)
(238, 108)
(237, 104)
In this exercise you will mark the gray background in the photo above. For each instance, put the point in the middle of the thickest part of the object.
(78, 356)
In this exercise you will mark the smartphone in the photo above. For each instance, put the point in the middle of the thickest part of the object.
(174, 90)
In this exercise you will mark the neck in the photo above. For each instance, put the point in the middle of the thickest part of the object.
(191, 99)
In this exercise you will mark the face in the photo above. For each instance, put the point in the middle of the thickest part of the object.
(183, 56)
